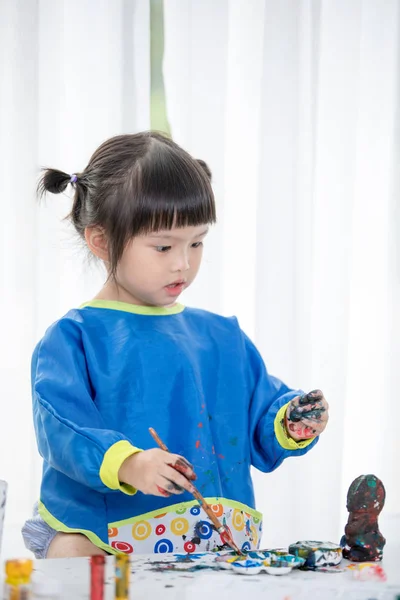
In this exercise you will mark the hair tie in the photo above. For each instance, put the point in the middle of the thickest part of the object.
(74, 178)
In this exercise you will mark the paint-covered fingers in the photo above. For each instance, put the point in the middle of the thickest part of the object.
(177, 482)
(311, 407)
(172, 487)
(318, 415)
(161, 492)
(154, 472)
(144, 470)
(183, 466)
(307, 415)
(166, 487)
(171, 482)
(311, 398)
(299, 431)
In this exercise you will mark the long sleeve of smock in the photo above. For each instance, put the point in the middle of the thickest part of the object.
(270, 443)
(70, 431)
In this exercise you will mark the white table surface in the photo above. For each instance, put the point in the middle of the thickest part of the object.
(147, 584)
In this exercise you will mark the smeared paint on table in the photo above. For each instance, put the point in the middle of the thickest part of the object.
(206, 584)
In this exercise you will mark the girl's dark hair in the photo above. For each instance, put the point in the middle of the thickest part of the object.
(136, 184)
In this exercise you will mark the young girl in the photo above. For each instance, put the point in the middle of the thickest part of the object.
(134, 358)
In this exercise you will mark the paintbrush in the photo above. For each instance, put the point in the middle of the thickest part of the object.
(226, 537)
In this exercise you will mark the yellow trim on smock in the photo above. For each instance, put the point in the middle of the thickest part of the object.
(112, 462)
(157, 311)
(282, 435)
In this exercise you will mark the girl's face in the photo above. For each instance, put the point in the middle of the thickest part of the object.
(155, 268)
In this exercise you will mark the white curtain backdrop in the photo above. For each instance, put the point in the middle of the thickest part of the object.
(294, 106)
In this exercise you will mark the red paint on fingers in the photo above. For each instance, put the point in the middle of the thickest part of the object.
(163, 492)
(184, 468)
(302, 431)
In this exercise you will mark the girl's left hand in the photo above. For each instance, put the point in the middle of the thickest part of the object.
(307, 416)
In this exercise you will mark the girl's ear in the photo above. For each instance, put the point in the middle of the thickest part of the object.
(97, 242)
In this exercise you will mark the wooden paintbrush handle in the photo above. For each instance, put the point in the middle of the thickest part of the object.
(207, 509)
(158, 440)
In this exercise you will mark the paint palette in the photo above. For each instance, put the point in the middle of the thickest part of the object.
(248, 566)
(280, 558)
(270, 561)
(317, 555)
(273, 562)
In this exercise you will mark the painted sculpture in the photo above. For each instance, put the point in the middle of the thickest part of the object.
(362, 540)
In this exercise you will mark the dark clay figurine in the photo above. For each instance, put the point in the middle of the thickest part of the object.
(363, 541)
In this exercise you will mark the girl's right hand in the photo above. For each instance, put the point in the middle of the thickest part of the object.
(157, 472)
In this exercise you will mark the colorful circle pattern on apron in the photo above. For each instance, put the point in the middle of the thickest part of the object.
(194, 532)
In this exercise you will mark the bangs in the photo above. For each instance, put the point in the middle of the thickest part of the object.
(168, 188)
(149, 184)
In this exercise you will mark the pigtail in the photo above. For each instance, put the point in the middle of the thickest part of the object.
(205, 168)
(54, 181)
